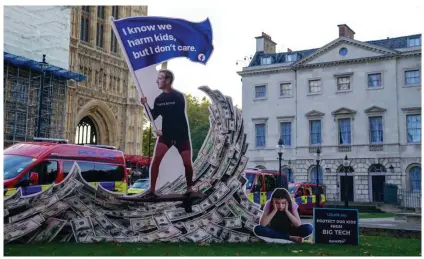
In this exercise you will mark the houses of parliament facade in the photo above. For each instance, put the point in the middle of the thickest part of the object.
(105, 108)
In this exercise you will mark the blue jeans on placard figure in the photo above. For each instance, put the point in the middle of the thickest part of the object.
(301, 231)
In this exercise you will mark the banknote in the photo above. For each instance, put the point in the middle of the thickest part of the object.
(218, 231)
(197, 235)
(180, 213)
(82, 228)
(142, 224)
(191, 225)
(168, 232)
(22, 228)
(13, 198)
(55, 209)
(148, 238)
(18, 203)
(125, 230)
(98, 239)
(27, 213)
(206, 204)
(212, 216)
(224, 210)
(48, 231)
(78, 206)
(237, 237)
(250, 225)
(233, 222)
(111, 229)
(162, 221)
(131, 239)
(68, 189)
(219, 193)
(99, 231)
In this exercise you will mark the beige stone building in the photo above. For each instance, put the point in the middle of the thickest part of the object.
(104, 109)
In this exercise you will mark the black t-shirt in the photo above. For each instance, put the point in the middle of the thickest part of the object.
(280, 222)
(171, 106)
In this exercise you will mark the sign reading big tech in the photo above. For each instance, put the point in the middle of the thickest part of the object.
(336, 226)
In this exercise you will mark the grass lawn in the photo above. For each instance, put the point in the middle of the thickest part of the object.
(369, 246)
(375, 215)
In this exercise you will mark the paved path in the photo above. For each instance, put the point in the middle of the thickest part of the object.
(390, 223)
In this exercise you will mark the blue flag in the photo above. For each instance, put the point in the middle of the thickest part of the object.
(151, 40)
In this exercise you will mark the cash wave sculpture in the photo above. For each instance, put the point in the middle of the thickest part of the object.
(75, 211)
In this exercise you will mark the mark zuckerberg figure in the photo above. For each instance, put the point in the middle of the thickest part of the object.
(171, 105)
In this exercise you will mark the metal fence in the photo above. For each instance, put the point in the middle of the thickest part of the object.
(402, 198)
(409, 199)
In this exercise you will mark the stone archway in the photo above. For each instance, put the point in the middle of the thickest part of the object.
(103, 119)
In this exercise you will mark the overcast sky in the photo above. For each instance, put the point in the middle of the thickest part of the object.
(291, 24)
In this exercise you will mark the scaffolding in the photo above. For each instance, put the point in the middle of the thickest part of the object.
(22, 83)
(21, 103)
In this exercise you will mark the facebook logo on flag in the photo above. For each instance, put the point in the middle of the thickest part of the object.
(152, 40)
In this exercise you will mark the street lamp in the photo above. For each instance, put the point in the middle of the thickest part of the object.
(318, 158)
(280, 150)
(346, 167)
(43, 65)
(290, 172)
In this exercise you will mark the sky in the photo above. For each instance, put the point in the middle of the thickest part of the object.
(291, 24)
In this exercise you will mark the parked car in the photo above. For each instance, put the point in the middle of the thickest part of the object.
(139, 186)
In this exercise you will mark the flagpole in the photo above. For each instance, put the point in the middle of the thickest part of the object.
(146, 106)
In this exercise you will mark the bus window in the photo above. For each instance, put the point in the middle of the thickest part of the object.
(67, 166)
(109, 173)
(47, 172)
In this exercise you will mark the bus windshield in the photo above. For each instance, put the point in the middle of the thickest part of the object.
(14, 164)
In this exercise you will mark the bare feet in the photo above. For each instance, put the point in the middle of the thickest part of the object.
(296, 239)
(151, 194)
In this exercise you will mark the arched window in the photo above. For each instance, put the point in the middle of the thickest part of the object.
(341, 169)
(86, 132)
(377, 168)
(313, 174)
(415, 178)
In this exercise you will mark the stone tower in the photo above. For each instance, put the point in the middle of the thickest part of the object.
(105, 109)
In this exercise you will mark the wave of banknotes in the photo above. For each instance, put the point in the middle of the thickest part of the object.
(75, 211)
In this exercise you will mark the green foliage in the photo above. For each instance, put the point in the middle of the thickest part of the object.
(198, 116)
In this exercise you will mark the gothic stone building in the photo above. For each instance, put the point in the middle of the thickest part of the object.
(360, 99)
(104, 109)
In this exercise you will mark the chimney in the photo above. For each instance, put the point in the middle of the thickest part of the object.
(265, 44)
(289, 50)
(345, 31)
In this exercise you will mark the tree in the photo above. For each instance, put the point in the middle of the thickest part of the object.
(147, 132)
(198, 116)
